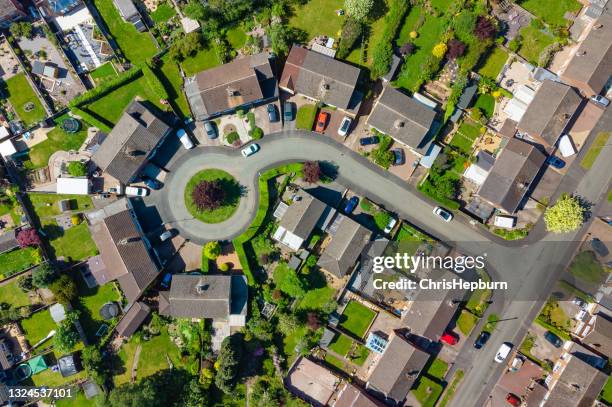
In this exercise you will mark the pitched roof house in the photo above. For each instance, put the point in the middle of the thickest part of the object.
(348, 239)
(242, 82)
(396, 371)
(597, 333)
(402, 117)
(10, 11)
(590, 68)
(321, 78)
(300, 219)
(124, 250)
(131, 143)
(311, 382)
(551, 109)
(512, 174)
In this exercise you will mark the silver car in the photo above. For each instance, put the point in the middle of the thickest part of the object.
(250, 150)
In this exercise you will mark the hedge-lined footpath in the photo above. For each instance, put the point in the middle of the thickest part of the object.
(260, 216)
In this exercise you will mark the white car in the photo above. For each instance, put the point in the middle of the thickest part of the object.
(503, 352)
(184, 139)
(344, 126)
(600, 100)
(250, 150)
(390, 225)
(136, 191)
(443, 214)
(165, 236)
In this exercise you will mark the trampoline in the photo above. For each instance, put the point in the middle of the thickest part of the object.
(22, 372)
(71, 125)
(109, 311)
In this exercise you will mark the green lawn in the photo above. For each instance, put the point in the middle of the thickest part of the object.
(203, 60)
(20, 93)
(163, 13)
(452, 388)
(37, 326)
(74, 244)
(305, 117)
(79, 400)
(441, 5)
(533, 43)
(318, 17)
(494, 63)
(586, 267)
(341, 344)
(89, 302)
(136, 46)
(357, 318)
(12, 294)
(170, 76)
(408, 25)
(466, 322)
(437, 369)
(231, 201)
(104, 72)
(486, 104)
(465, 136)
(429, 35)
(46, 205)
(54, 379)
(18, 260)
(427, 391)
(374, 31)
(606, 393)
(57, 140)
(315, 299)
(551, 12)
(236, 37)
(591, 155)
(290, 341)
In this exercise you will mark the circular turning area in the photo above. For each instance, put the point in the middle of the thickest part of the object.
(212, 195)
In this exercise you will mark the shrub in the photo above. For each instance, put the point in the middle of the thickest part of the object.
(456, 49)
(25, 283)
(381, 218)
(537, 24)
(232, 137)
(351, 31)
(212, 250)
(224, 267)
(414, 35)
(515, 44)
(43, 275)
(485, 28)
(439, 50)
(208, 195)
(406, 49)
(64, 289)
(257, 133)
(77, 169)
(381, 56)
(311, 172)
(75, 219)
(28, 237)
(566, 215)
(358, 9)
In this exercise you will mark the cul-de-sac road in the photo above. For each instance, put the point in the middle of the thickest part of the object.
(530, 267)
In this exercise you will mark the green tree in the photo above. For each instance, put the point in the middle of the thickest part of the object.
(77, 169)
(267, 392)
(96, 366)
(566, 215)
(212, 250)
(43, 275)
(22, 29)
(287, 281)
(66, 336)
(25, 283)
(228, 362)
(232, 10)
(287, 323)
(196, 10)
(64, 289)
(358, 9)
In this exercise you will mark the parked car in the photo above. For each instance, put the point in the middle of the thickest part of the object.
(579, 302)
(482, 339)
(600, 247)
(366, 141)
(165, 236)
(503, 352)
(351, 205)
(250, 150)
(398, 156)
(165, 283)
(443, 214)
(553, 339)
(449, 338)
(516, 364)
(322, 119)
(513, 400)
(136, 191)
(288, 111)
(345, 125)
(184, 138)
(152, 183)
(555, 161)
(272, 113)
(211, 132)
(600, 100)
(390, 225)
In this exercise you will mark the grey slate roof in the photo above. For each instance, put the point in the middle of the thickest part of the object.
(600, 337)
(397, 370)
(403, 118)
(510, 178)
(320, 77)
(8, 9)
(198, 296)
(126, 149)
(8, 241)
(592, 63)
(240, 82)
(578, 386)
(132, 320)
(126, 8)
(348, 240)
(549, 112)
(304, 215)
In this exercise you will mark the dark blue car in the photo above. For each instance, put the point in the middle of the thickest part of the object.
(366, 141)
(351, 205)
(165, 283)
(555, 161)
(152, 183)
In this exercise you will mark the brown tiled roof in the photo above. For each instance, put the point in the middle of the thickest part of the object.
(132, 320)
(320, 77)
(303, 215)
(198, 296)
(405, 119)
(351, 396)
(126, 148)
(510, 178)
(578, 385)
(311, 382)
(549, 112)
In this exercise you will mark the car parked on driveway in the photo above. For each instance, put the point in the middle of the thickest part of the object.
(450, 338)
(443, 214)
(555, 161)
(367, 141)
(184, 139)
(211, 132)
(513, 400)
(553, 339)
(250, 150)
(399, 157)
(390, 225)
(345, 126)
(136, 191)
(272, 113)
(600, 100)
(322, 120)
(351, 205)
(152, 183)
(288, 111)
(482, 339)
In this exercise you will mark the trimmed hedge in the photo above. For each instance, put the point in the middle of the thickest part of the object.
(91, 119)
(351, 32)
(154, 83)
(381, 56)
(105, 87)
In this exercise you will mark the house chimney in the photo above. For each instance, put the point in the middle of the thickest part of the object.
(598, 26)
(200, 288)
(398, 124)
(127, 240)
(232, 92)
(580, 53)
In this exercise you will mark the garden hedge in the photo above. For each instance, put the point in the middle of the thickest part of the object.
(90, 119)
(105, 87)
(382, 54)
(154, 83)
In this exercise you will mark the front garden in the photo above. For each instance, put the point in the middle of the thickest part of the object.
(429, 386)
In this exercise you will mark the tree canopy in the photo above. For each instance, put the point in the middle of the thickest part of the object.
(566, 215)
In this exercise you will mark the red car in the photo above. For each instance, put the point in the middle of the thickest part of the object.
(450, 338)
(513, 400)
(322, 119)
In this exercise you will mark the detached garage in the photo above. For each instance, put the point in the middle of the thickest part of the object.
(73, 186)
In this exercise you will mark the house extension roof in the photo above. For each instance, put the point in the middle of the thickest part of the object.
(578, 385)
(398, 369)
(320, 77)
(548, 113)
(402, 117)
(130, 142)
(198, 296)
(132, 320)
(126, 8)
(513, 172)
(592, 62)
(348, 240)
(242, 81)
(311, 382)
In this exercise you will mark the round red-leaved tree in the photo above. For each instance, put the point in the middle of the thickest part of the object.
(208, 195)
(311, 172)
(28, 237)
